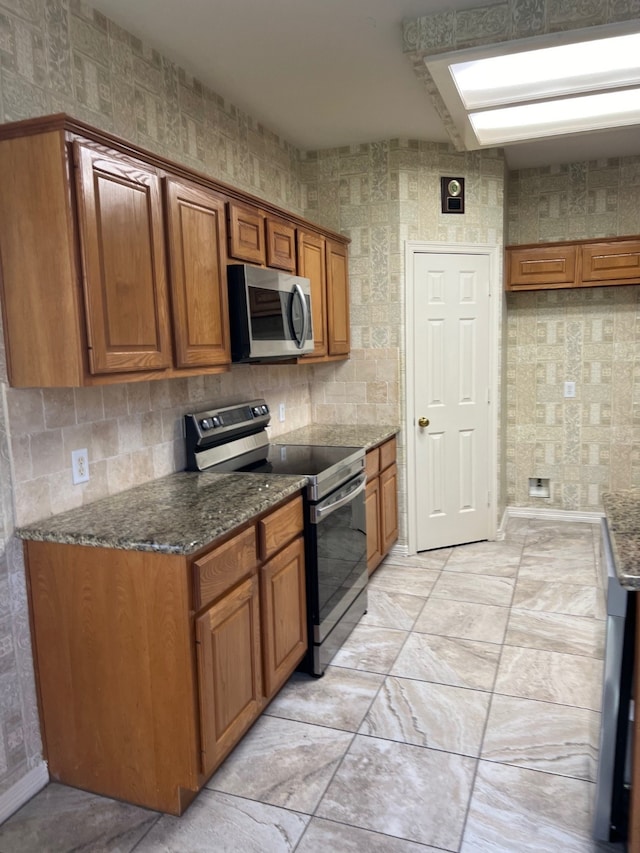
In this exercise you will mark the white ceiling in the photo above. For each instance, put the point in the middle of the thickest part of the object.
(324, 73)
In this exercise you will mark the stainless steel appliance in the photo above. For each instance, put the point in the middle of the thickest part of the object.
(269, 313)
(613, 779)
(235, 439)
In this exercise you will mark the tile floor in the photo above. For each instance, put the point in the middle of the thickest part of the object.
(461, 715)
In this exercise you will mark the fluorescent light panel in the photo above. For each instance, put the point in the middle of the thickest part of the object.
(549, 91)
(549, 72)
(552, 118)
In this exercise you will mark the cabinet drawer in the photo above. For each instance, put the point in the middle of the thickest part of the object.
(611, 262)
(281, 245)
(372, 463)
(222, 568)
(387, 453)
(541, 266)
(279, 527)
(246, 233)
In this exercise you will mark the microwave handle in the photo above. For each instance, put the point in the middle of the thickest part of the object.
(297, 291)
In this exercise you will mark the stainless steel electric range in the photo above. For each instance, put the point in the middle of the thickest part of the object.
(235, 438)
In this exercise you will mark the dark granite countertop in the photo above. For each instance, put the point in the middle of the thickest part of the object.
(177, 514)
(340, 435)
(622, 510)
(185, 511)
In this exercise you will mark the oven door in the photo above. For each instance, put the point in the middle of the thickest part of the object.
(337, 555)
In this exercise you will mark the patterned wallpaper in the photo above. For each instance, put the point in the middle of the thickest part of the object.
(587, 444)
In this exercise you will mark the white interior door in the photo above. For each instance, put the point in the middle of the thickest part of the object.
(451, 397)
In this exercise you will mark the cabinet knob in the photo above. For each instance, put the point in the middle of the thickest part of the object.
(423, 422)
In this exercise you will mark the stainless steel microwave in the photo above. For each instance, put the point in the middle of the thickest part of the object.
(269, 314)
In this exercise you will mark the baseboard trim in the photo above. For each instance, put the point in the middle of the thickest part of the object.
(17, 795)
(399, 551)
(548, 514)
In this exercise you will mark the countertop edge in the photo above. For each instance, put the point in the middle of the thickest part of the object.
(620, 507)
(61, 528)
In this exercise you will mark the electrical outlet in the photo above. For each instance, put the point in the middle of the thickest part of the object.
(281, 412)
(80, 466)
(569, 389)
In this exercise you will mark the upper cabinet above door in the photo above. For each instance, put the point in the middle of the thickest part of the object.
(576, 263)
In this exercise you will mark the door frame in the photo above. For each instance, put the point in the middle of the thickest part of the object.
(492, 252)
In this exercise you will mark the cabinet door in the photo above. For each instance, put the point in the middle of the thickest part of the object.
(125, 287)
(284, 614)
(196, 239)
(389, 507)
(617, 262)
(372, 507)
(246, 234)
(539, 267)
(229, 671)
(281, 245)
(337, 299)
(312, 265)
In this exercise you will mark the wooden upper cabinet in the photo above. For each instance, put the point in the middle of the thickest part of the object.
(122, 242)
(246, 233)
(579, 263)
(117, 258)
(612, 261)
(338, 329)
(38, 280)
(312, 265)
(541, 267)
(198, 262)
(281, 244)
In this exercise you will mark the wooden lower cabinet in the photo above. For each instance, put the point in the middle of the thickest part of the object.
(229, 671)
(374, 541)
(283, 609)
(388, 507)
(150, 668)
(381, 502)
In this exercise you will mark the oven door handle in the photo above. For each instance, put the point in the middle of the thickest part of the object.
(319, 512)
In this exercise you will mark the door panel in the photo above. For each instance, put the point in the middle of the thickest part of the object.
(120, 214)
(229, 671)
(451, 317)
(196, 228)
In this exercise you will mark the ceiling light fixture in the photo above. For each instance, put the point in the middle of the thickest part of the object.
(551, 118)
(549, 72)
(558, 84)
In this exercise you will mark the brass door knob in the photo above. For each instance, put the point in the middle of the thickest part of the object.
(423, 422)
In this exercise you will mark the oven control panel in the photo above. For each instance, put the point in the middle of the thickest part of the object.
(212, 427)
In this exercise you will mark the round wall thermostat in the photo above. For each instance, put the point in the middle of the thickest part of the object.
(452, 194)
